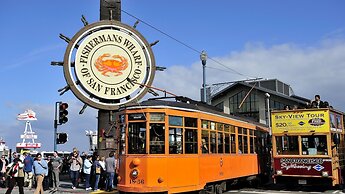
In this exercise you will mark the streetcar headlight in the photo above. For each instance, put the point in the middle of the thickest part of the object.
(324, 174)
(279, 172)
(135, 173)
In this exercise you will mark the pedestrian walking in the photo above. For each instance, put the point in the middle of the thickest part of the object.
(40, 168)
(75, 168)
(98, 171)
(28, 174)
(110, 165)
(87, 172)
(103, 177)
(3, 165)
(56, 163)
(16, 175)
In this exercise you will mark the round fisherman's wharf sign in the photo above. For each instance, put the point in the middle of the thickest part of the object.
(108, 64)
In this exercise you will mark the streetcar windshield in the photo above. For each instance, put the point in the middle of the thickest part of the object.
(314, 145)
(137, 138)
(310, 145)
(287, 145)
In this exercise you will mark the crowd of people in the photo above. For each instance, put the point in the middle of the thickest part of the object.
(43, 174)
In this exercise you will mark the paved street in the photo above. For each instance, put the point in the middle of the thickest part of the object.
(65, 187)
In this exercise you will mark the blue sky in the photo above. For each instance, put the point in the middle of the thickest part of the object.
(301, 43)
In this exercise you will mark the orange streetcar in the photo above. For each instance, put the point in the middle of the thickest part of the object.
(184, 145)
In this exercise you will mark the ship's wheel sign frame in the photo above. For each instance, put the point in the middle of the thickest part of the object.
(107, 63)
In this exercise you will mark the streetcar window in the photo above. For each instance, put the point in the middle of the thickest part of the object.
(233, 143)
(314, 144)
(213, 126)
(190, 122)
(175, 141)
(204, 142)
(157, 137)
(123, 139)
(175, 120)
(240, 144)
(252, 141)
(245, 141)
(213, 142)
(220, 126)
(137, 138)
(227, 143)
(191, 139)
(226, 128)
(204, 124)
(287, 145)
(220, 142)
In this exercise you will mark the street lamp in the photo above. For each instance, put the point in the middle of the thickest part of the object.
(203, 57)
(268, 112)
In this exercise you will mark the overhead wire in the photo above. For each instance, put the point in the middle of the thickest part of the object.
(186, 45)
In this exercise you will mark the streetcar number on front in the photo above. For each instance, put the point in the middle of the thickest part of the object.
(136, 181)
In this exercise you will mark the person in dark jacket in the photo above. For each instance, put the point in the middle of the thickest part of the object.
(16, 175)
(28, 174)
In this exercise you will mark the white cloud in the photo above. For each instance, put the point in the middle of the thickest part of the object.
(308, 70)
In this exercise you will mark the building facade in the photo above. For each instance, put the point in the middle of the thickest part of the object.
(250, 99)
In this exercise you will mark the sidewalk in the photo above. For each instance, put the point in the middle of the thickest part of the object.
(65, 187)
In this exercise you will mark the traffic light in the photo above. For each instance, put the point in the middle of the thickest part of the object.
(61, 138)
(63, 113)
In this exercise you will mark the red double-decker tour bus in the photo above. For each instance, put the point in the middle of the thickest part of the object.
(308, 146)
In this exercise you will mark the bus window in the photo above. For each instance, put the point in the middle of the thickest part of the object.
(157, 137)
(204, 142)
(137, 138)
(191, 139)
(175, 141)
(314, 144)
(287, 145)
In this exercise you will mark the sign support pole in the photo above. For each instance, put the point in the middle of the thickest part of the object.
(109, 10)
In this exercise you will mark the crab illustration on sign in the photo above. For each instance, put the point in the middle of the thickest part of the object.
(114, 64)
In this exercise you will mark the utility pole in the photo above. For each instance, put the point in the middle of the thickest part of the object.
(109, 10)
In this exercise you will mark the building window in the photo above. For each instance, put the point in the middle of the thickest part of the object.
(249, 107)
(220, 106)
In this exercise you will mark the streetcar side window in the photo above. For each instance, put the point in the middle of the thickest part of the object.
(175, 140)
(213, 142)
(191, 141)
(252, 141)
(137, 138)
(220, 142)
(157, 137)
(205, 141)
(232, 140)
(227, 143)
(287, 145)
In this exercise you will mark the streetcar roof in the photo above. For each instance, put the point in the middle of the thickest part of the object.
(183, 103)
